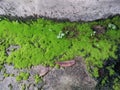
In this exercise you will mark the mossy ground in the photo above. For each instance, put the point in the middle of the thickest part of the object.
(39, 42)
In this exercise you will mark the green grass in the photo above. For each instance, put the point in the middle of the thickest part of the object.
(39, 42)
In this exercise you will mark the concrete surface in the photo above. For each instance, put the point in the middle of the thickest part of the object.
(75, 77)
(9, 82)
(74, 10)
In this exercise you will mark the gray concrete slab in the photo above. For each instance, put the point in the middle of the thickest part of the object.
(74, 10)
(75, 77)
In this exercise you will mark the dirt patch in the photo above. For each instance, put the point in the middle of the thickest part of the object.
(98, 29)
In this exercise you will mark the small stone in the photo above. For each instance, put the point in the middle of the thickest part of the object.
(40, 84)
(1, 77)
(41, 70)
(12, 48)
(31, 87)
(35, 88)
(10, 69)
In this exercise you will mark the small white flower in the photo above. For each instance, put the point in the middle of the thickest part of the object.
(94, 32)
(60, 35)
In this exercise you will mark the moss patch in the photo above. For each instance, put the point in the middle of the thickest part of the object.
(22, 76)
(37, 78)
(39, 42)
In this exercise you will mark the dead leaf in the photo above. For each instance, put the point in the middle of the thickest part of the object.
(66, 63)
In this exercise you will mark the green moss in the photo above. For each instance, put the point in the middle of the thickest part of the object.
(6, 75)
(22, 76)
(11, 75)
(116, 85)
(57, 66)
(37, 78)
(39, 42)
(1, 66)
(23, 87)
(111, 71)
(18, 78)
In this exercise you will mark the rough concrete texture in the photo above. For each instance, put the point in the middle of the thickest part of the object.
(75, 77)
(74, 10)
(10, 83)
